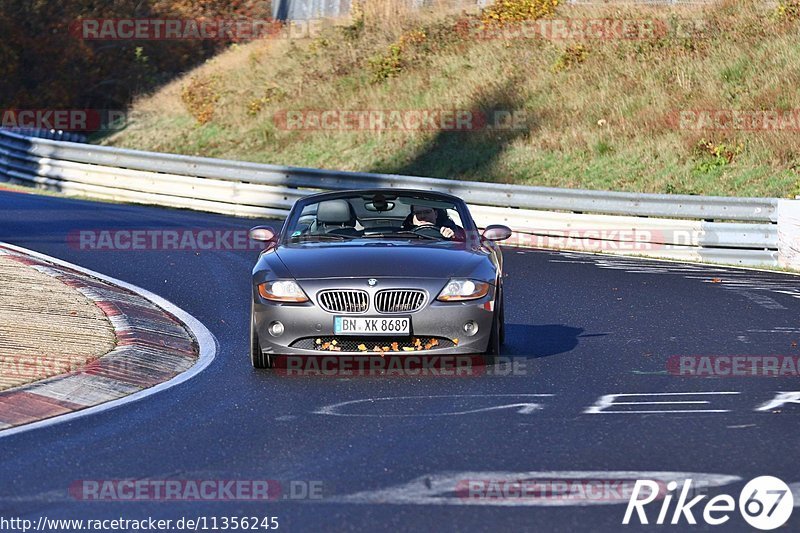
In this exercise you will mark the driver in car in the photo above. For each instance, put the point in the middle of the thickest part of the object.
(427, 216)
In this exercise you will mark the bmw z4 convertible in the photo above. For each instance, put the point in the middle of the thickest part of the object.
(377, 271)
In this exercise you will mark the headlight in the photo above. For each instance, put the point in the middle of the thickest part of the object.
(282, 291)
(463, 289)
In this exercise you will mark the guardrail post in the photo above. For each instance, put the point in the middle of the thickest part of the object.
(789, 234)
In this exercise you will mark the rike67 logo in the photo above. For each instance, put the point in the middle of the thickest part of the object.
(765, 503)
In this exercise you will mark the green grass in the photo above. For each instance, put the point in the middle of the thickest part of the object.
(596, 117)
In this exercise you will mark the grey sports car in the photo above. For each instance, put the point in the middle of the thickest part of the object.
(379, 270)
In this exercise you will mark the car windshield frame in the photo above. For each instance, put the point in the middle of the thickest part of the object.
(467, 223)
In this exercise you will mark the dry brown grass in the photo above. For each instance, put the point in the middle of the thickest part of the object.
(606, 121)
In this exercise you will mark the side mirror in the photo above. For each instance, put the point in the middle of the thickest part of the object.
(496, 232)
(262, 233)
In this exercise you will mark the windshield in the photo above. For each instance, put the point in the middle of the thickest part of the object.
(379, 216)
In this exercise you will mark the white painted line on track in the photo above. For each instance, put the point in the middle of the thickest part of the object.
(606, 403)
(657, 264)
(206, 341)
(524, 408)
(452, 488)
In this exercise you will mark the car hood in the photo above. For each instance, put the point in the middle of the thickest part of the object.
(384, 259)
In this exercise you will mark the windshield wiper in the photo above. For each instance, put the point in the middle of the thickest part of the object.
(321, 237)
(401, 235)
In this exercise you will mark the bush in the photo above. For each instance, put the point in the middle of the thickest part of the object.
(788, 10)
(200, 97)
(573, 55)
(506, 11)
(271, 94)
(354, 30)
(400, 53)
(715, 155)
(387, 65)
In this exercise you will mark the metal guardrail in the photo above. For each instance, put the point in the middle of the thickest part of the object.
(310, 9)
(737, 230)
(55, 135)
(527, 197)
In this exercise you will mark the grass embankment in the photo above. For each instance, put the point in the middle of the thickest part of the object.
(598, 113)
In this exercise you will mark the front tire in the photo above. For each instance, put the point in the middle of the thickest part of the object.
(493, 349)
(502, 318)
(257, 357)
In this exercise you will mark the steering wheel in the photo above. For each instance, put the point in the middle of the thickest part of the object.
(429, 230)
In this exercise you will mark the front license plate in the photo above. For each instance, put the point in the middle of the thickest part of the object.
(347, 325)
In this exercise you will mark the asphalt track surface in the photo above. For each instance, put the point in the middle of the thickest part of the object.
(584, 326)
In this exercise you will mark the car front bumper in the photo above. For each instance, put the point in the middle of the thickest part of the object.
(309, 321)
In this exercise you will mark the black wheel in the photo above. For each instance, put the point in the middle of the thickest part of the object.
(493, 349)
(257, 356)
(502, 305)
